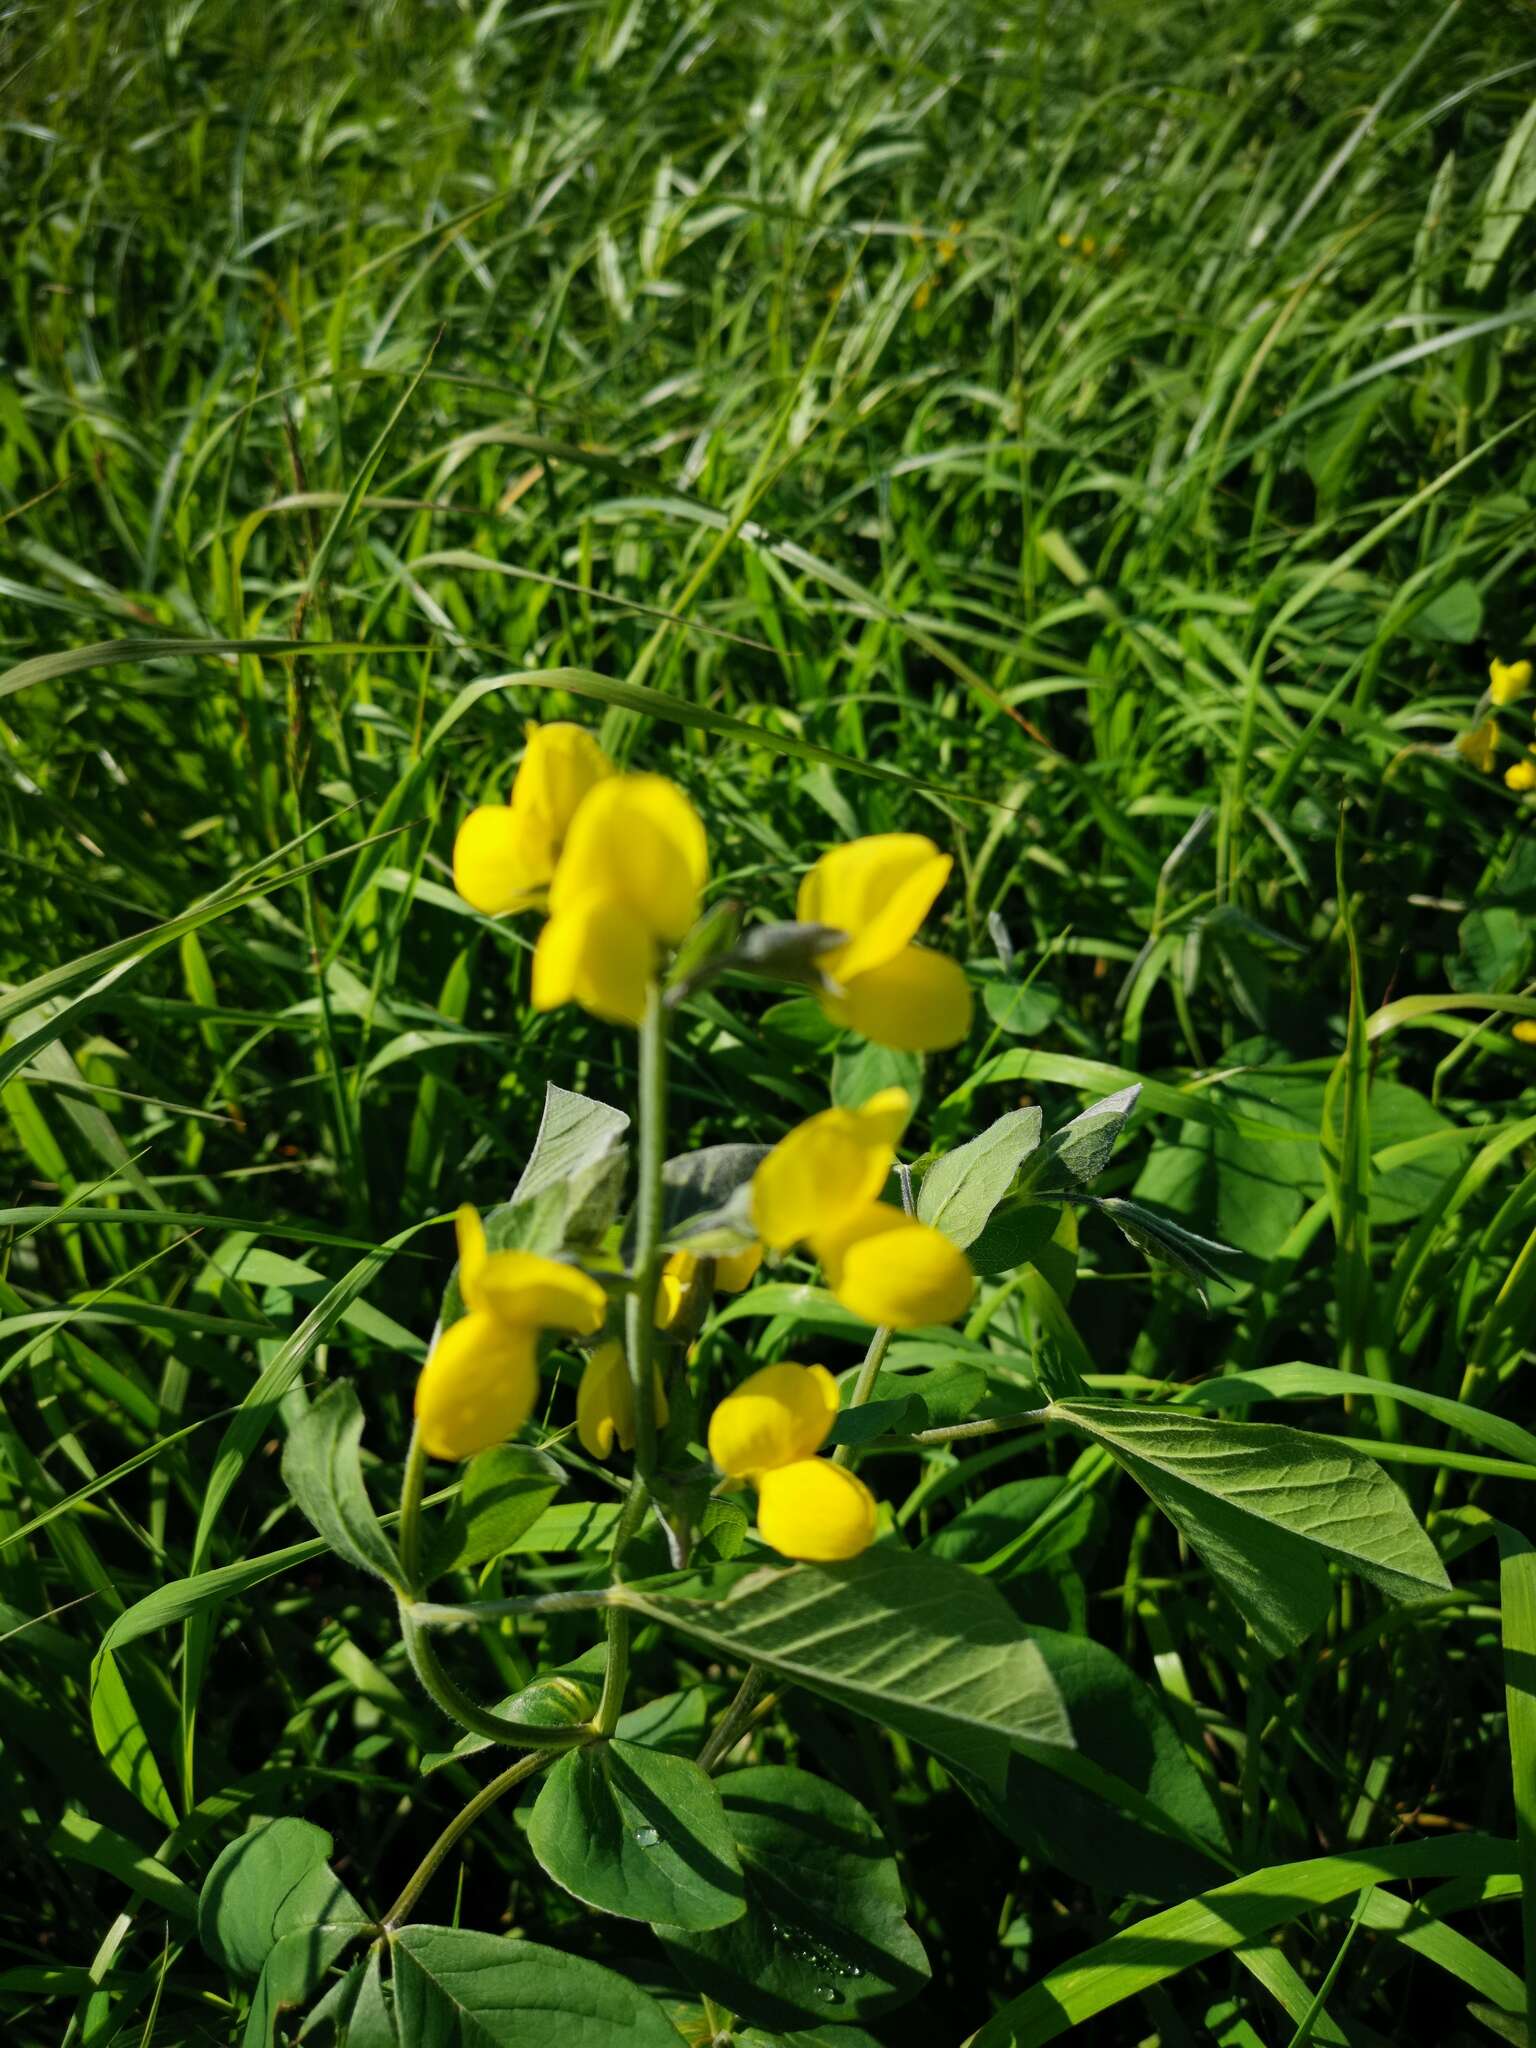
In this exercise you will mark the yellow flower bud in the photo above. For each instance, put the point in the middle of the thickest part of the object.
(776, 1417)
(1508, 680)
(888, 1268)
(816, 1511)
(605, 1402)
(1480, 746)
(1525, 1031)
(827, 1169)
(879, 890)
(638, 844)
(505, 855)
(478, 1386)
(736, 1270)
(595, 952)
(676, 1277)
(1521, 777)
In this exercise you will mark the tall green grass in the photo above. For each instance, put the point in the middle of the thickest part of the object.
(1104, 434)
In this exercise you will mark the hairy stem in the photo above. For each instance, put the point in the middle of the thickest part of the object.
(409, 1533)
(459, 1707)
(752, 1701)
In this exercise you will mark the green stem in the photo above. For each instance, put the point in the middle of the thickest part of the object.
(752, 1701)
(461, 1708)
(874, 1358)
(409, 1533)
(458, 1826)
(616, 1669)
(640, 1309)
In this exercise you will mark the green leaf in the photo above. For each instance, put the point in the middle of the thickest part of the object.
(274, 1881)
(1454, 614)
(1020, 1012)
(931, 1398)
(563, 1696)
(824, 1933)
(121, 1738)
(1014, 1236)
(293, 1972)
(1246, 1910)
(504, 1492)
(862, 1070)
(640, 1833)
(961, 1190)
(1288, 1382)
(1120, 1727)
(1266, 1506)
(322, 1469)
(1508, 199)
(457, 1989)
(911, 1642)
(1169, 1243)
(574, 1151)
(1082, 1148)
(706, 1199)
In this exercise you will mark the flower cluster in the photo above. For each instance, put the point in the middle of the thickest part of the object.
(1508, 681)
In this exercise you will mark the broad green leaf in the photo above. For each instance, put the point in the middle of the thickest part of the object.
(1508, 199)
(291, 1975)
(323, 1471)
(636, 1832)
(706, 1199)
(931, 1398)
(1152, 1950)
(1170, 1243)
(1014, 1236)
(1266, 1507)
(274, 1881)
(911, 1642)
(80, 1839)
(824, 1933)
(961, 1190)
(121, 1739)
(504, 1492)
(862, 1070)
(576, 1138)
(1081, 1149)
(1020, 1012)
(1120, 1727)
(457, 1989)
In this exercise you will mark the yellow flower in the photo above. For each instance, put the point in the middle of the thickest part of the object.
(1525, 1031)
(816, 1511)
(819, 1186)
(1063, 240)
(1508, 680)
(1088, 245)
(505, 855)
(778, 1416)
(605, 1402)
(479, 1384)
(1522, 776)
(1480, 746)
(879, 890)
(923, 294)
(732, 1273)
(629, 879)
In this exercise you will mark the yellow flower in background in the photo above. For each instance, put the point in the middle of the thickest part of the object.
(733, 1271)
(769, 1431)
(605, 1402)
(1480, 746)
(879, 890)
(505, 855)
(777, 1416)
(1508, 680)
(1521, 777)
(480, 1382)
(820, 1186)
(816, 1511)
(1525, 1031)
(630, 878)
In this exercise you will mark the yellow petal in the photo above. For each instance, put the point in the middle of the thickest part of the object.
(502, 859)
(1525, 1031)
(827, 1169)
(605, 1402)
(888, 1268)
(477, 1388)
(1508, 680)
(1480, 746)
(918, 1002)
(816, 1511)
(595, 952)
(735, 1270)
(1521, 776)
(638, 842)
(878, 890)
(470, 1232)
(525, 1287)
(561, 765)
(776, 1417)
(672, 1288)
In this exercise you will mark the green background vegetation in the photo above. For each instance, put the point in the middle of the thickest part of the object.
(1113, 418)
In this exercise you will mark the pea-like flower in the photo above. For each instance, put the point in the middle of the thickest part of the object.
(769, 1431)
(628, 881)
(878, 891)
(1480, 746)
(505, 855)
(1508, 680)
(820, 1186)
(733, 1271)
(1521, 776)
(605, 1402)
(479, 1385)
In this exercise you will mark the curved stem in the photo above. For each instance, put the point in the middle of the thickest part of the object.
(411, 1489)
(874, 1358)
(461, 1708)
(752, 1701)
(616, 1669)
(459, 1825)
(640, 1309)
